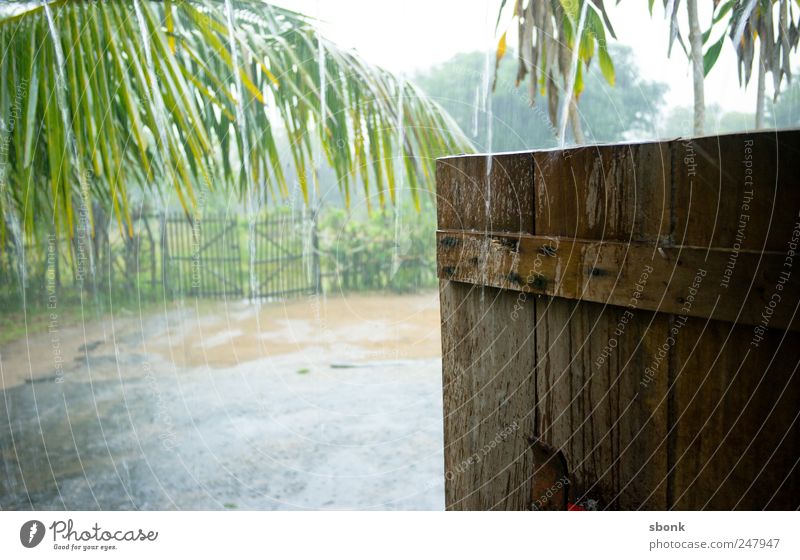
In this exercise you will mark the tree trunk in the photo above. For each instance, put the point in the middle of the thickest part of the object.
(696, 53)
(762, 72)
(575, 122)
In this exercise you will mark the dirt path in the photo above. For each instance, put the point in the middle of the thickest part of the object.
(314, 404)
(353, 328)
(339, 330)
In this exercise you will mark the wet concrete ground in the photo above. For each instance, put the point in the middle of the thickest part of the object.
(129, 428)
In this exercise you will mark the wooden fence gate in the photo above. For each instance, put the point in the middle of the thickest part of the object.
(204, 257)
(283, 262)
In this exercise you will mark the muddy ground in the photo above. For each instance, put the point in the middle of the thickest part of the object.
(317, 403)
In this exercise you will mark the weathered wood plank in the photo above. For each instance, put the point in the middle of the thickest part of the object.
(735, 421)
(680, 280)
(736, 190)
(488, 379)
(465, 202)
(612, 192)
(592, 404)
(659, 418)
(613, 437)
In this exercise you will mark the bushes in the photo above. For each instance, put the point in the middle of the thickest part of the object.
(378, 252)
(355, 253)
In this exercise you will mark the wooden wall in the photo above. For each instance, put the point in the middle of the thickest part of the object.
(636, 407)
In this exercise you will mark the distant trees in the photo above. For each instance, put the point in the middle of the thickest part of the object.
(98, 98)
(627, 111)
(548, 52)
(770, 23)
(784, 113)
(557, 42)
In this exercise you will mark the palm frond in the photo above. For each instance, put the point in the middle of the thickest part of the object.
(546, 33)
(150, 98)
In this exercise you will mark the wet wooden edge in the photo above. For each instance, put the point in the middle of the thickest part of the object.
(745, 286)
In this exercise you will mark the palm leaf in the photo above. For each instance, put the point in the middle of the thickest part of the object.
(546, 43)
(152, 104)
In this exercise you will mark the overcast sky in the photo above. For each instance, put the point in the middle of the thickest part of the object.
(409, 35)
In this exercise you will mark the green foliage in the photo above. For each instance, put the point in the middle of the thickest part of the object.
(627, 111)
(785, 113)
(711, 55)
(376, 253)
(164, 97)
(771, 23)
(547, 39)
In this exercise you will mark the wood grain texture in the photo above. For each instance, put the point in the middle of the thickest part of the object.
(680, 280)
(747, 182)
(488, 379)
(615, 192)
(611, 429)
(463, 196)
(736, 425)
(650, 406)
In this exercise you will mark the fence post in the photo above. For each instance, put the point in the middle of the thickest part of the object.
(316, 268)
(57, 262)
(235, 221)
(164, 253)
(146, 220)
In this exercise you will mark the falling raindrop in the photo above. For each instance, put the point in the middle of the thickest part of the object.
(487, 109)
(159, 113)
(84, 238)
(11, 219)
(323, 105)
(155, 93)
(241, 127)
(487, 103)
(573, 68)
(14, 228)
(398, 199)
(309, 221)
(476, 111)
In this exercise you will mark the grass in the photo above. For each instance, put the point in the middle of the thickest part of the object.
(16, 323)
